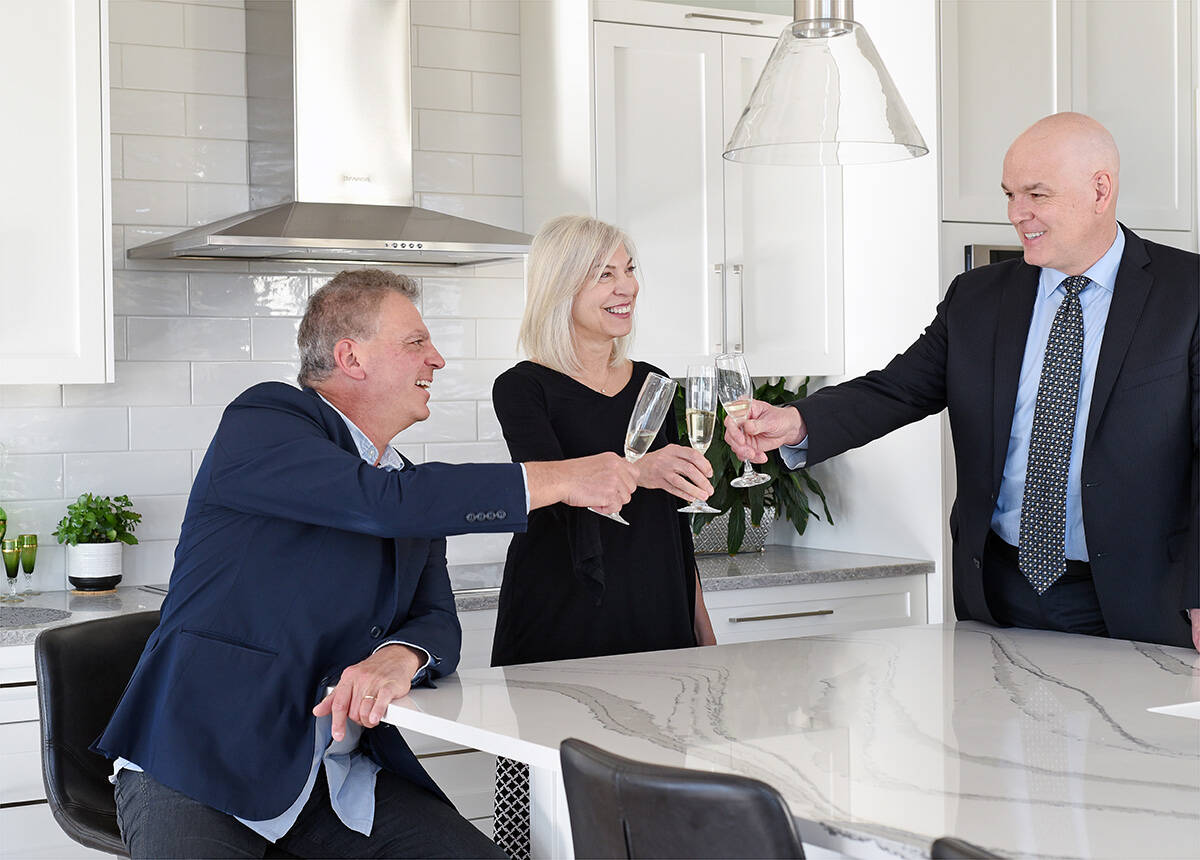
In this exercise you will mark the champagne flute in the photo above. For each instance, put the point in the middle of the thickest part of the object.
(653, 403)
(28, 546)
(12, 563)
(735, 390)
(701, 419)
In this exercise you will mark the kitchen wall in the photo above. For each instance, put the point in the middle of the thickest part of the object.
(190, 337)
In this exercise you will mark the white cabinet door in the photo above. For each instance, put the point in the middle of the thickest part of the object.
(659, 176)
(55, 229)
(998, 62)
(783, 246)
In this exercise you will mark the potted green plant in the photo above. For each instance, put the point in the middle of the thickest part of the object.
(785, 496)
(94, 530)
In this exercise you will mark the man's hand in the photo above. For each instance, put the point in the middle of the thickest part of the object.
(367, 688)
(764, 429)
(1194, 614)
(604, 482)
(682, 472)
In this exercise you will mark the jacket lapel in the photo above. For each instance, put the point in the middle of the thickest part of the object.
(1012, 330)
(1129, 297)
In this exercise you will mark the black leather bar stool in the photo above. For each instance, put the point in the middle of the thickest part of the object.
(628, 809)
(950, 848)
(82, 670)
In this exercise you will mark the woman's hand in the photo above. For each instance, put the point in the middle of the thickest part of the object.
(682, 472)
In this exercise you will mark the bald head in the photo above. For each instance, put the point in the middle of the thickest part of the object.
(1061, 177)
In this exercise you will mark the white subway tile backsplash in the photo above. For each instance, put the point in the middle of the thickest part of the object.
(214, 28)
(467, 379)
(130, 473)
(119, 338)
(188, 339)
(148, 563)
(39, 517)
(54, 429)
(442, 48)
(115, 77)
(161, 516)
(162, 428)
(502, 16)
(184, 159)
(454, 338)
(497, 174)
(217, 383)
(49, 575)
(116, 161)
(442, 171)
(497, 339)
(452, 131)
(501, 269)
(447, 422)
(215, 116)
(274, 338)
(146, 112)
(501, 211)
(212, 201)
(30, 476)
(150, 293)
(502, 298)
(489, 427)
(138, 383)
(30, 395)
(145, 23)
(466, 452)
(138, 202)
(247, 295)
(183, 70)
(495, 93)
(440, 13)
(441, 89)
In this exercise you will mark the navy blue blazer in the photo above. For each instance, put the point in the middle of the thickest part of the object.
(296, 559)
(1140, 470)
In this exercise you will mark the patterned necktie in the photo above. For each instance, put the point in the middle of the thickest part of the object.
(1042, 547)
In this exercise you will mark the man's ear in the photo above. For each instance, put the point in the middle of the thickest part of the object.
(346, 356)
(1102, 188)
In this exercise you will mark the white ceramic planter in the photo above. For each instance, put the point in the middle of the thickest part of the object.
(94, 566)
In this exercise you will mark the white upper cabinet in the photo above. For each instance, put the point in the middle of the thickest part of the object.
(55, 225)
(731, 257)
(1006, 63)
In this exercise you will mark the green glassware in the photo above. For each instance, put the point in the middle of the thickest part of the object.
(12, 563)
(3, 523)
(28, 545)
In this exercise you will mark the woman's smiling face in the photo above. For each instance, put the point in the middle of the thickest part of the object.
(604, 310)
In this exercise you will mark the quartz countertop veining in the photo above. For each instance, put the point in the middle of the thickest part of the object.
(1029, 743)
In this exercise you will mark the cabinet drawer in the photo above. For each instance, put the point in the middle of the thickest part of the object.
(30, 832)
(782, 612)
(18, 704)
(20, 763)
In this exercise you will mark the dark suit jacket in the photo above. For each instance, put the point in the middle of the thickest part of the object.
(1139, 475)
(296, 559)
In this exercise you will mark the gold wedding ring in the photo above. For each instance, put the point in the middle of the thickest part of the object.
(368, 697)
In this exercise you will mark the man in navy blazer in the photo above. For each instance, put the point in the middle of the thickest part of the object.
(313, 554)
(1131, 531)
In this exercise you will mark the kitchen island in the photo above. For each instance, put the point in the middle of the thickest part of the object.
(1030, 743)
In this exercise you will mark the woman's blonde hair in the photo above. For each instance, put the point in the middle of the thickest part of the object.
(567, 256)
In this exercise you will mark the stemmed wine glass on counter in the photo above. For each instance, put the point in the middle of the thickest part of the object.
(735, 389)
(28, 545)
(653, 403)
(12, 564)
(700, 416)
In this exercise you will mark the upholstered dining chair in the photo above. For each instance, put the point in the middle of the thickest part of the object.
(628, 809)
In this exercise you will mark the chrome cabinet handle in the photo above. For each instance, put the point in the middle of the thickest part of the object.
(735, 328)
(782, 615)
(752, 21)
(716, 328)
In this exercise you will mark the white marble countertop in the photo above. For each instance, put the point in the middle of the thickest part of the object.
(1029, 743)
(82, 607)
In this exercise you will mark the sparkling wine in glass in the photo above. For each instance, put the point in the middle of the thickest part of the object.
(28, 545)
(653, 403)
(700, 416)
(12, 563)
(735, 390)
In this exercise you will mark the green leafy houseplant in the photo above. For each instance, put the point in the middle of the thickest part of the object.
(98, 519)
(787, 492)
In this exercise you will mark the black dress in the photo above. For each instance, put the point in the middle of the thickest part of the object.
(577, 584)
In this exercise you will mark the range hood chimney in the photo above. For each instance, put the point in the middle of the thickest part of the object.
(329, 109)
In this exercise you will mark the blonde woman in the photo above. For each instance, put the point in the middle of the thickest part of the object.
(577, 584)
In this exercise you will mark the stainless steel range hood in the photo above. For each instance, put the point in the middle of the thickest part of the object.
(329, 110)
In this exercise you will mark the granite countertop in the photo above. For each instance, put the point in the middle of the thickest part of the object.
(477, 586)
(1030, 743)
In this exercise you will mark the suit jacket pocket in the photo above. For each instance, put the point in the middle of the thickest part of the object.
(224, 639)
(1139, 376)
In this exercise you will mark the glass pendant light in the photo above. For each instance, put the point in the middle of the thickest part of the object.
(825, 98)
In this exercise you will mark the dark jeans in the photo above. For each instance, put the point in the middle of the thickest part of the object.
(157, 821)
(1069, 605)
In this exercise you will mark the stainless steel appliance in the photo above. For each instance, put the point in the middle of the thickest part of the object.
(984, 255)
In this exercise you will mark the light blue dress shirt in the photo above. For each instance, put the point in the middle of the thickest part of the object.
(1095, 299)
(349, 773)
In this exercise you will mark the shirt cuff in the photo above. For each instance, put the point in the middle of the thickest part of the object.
(525, 480)
(420, 673)
(795, 456)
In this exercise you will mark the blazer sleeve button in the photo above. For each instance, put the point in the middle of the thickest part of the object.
(376, 632)
(491, 515)
(501, 514)
(976, 561)
(471, 518)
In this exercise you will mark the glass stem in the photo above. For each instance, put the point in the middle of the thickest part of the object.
(747, 470)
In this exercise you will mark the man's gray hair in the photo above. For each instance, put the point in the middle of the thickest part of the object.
(347, 306)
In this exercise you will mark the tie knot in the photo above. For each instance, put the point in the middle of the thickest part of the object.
(1075, 284)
